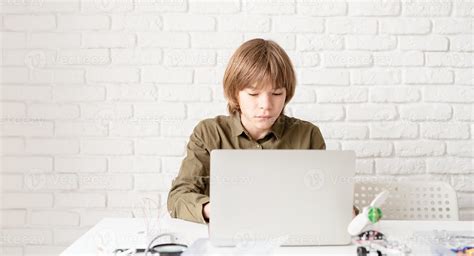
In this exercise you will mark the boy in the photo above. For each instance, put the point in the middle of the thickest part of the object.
(258, 83)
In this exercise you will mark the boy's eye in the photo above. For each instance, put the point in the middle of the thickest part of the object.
(277, 93)
(253, 94)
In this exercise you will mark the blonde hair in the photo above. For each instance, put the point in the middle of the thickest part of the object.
(252, 63)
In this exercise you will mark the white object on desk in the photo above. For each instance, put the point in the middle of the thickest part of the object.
(123, 232)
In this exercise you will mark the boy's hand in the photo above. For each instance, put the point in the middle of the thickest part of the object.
(206, 210)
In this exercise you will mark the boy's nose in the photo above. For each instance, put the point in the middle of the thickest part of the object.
(265, 102)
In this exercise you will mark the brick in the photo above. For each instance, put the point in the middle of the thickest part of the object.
(167, 75)
(161, 6)
(303, 95)
(12, 110)
(428, 76)
(67, 236)
(163, 39)
(427, 8)
(155, 182)
(374, 8)
(188, 22)
(462, 43)
(324, 77)
(107, 6)
(14, 75)
(208, 7)
(399, 166)
(463, 183)
(398, 59)
(452, 59)
(244, 23)
(131, 199)
(461, 94)
(341, 95)
(43, 250)
(24, 200)
(375, 43)
(189, 58)
(106, 112)
(11, 182)
(105, 182)
(54, 40)
(394, 130)
(394, 94)
(206, 110)
(463, 8)
(132, 164)
(83, 22)
(319, 112)
(359, 26)
(369, 149)
(69, 76)
(83, 199)
(184, 93)
(426, 112)
(178, 128)
(41, 76)
(449, 165)
(136, 128)
(26, 236)
(445, 131)
(423, 43)
(144, 22)
(311, 42)
(29, 22)
(50, 6)
(52, 146)
(114, 74)
(452, 25)
(298, 24)
(371, 112)
(80, 164)
(154, 111)
(89, 57)
(91, 217)
(137, 56)
(108, 40)
(37, 181)
(204, 75)
(346, 59)
(344, 131)
(162, 147)
(364, 166)
(30, 58)
(26, 164)
(304, 59)
(463, 112)
(213, 40)
(78, 93)
(25, 93)
(26, 128)
(12, 146)
(12, 218)
(285, 40)
(80, 129)
(13, 40)
(421, 148)
(54, 218)
(460, 149)
(268, 7)
(131, 92)
(53, 111)
(321, 8)
(107, 147)
(405, 26)
(171, 164)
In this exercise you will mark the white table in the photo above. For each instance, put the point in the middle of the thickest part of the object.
(113, 233)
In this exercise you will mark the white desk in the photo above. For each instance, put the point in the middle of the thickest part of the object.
(128, 232)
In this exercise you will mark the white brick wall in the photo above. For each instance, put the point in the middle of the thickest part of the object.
(98, 98)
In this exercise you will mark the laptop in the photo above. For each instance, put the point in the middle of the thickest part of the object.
(291, 197)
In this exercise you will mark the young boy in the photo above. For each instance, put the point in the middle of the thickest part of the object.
(258, 83)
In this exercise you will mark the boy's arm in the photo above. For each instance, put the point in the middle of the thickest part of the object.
(187, 195)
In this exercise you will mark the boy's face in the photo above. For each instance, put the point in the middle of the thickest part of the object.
(260, 108)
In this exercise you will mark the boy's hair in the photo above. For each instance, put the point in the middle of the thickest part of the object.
(252, 63)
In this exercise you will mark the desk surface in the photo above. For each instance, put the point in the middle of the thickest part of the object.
(112, 233)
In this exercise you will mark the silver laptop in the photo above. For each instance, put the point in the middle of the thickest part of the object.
(291, 197)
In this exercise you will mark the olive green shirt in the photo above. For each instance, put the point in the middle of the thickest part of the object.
(190, 189)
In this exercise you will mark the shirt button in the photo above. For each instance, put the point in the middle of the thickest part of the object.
(258, 146)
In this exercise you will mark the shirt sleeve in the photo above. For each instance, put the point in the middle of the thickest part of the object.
(317, 140)
(188, 190)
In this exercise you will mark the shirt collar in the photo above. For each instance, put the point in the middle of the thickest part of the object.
(277, 128)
